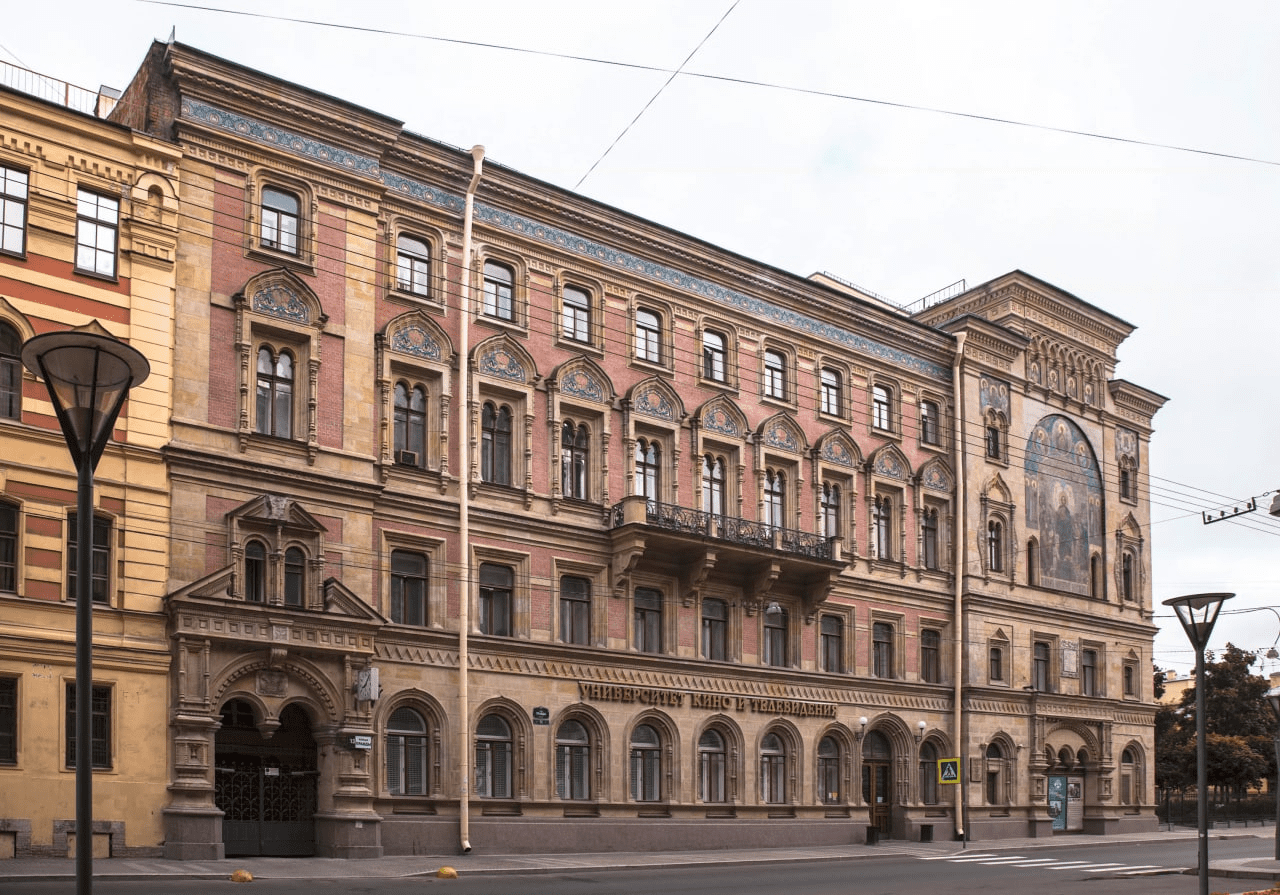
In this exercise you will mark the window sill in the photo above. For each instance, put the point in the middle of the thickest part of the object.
(721, 812)
(833, 811)
(502, 808)
(502, 323)
(654, 811)
(781, 811)
(775, 401)
(259, 252)
(574, 345)
(587, 810)
(416, 299)
(718, 384)
(654, 366)
(94, 275)
(412, 805)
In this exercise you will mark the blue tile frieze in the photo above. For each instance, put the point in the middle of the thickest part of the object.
(269, 135)
(278, 300)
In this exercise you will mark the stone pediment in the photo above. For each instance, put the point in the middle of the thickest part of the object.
(273, 509)
(341, 600)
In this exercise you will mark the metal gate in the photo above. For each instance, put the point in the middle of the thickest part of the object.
(266, 789)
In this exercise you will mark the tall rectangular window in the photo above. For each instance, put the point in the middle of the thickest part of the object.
(830, 385)
(576, 314)
(715, 625)
(499, 283)
(13, 210)
(930, 539)
(775, 375)
(280, 221)
(714, 349)
(648, 336)
(575, 447)
(832, 643)
(775, 637)
(10, 372)
(995, 663)
(100, 564)
(100, 726)
(929, 431)
(8, 548)
(993, 442)
(830, 500)
(648, 470)
(575, 610)
(881, 527)
(930, 656)
(775, 498)
(8, 720)
(97, 228)
(881, 417)
(1089, 672)
(496, 583)
(882, 650)
(495, 444)
(408, 588)
(648, 620)
(413, 265)
(1040, 666)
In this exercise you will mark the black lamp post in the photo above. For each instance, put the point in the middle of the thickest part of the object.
(1198, 613)
(88, 373)
(1273, 697)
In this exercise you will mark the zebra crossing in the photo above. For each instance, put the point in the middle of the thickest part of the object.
(992, 859)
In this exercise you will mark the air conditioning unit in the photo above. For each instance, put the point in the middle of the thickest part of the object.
(407, 458)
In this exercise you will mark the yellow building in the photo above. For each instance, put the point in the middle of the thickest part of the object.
(88, 231)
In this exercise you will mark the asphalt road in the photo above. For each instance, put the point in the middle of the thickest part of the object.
(1089, 869)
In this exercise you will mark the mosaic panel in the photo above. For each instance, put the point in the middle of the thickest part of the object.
(717, 419)
(413, 339)
(497, 361)
(889, 464)
(780, 435)
(581, 384)
(652, 402)
(1063, 502)
(278, 300)
(835, 451)
(994, 395)
(936, 478)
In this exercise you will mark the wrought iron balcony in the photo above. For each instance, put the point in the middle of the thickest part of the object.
(716, 526)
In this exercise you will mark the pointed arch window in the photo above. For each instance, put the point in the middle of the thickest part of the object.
(713, 469)
(881, 526)
(832, 390)
(1126, 577)
(995, 546)
(930, 538)
(410, 424)
(274, 406)
(575, 448)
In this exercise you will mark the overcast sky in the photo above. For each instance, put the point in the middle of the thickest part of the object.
(902, 202)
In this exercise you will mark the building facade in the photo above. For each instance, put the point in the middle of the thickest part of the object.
(88, 232)
(502, 519)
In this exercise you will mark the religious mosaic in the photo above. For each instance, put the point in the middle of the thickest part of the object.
(993, 395)
(1063, 503)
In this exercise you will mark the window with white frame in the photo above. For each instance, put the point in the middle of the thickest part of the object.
(648, 336)
(97, 233)
(714, 356)
(831, 392)
(13, 210)
(575, 314)
(413, 265)
(774, 384)
(280, 221)
(882, 408)
(273, 407)
(499, 291)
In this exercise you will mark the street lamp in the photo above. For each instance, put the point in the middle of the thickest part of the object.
(1198, 613)
(88, 373)
(1273, 697)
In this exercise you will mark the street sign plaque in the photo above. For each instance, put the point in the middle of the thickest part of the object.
(948, 770)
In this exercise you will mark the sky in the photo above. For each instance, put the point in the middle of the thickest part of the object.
(902, 201)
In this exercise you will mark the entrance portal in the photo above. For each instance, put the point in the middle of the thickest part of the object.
(266, 788)
(877, 782)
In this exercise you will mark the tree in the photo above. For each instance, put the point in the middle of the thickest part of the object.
(1235, 701)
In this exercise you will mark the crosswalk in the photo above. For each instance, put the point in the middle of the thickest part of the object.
(1117, 868)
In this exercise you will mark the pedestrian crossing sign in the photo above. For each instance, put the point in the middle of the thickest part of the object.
(948, 770)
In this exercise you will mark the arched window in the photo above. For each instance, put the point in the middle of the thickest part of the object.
(881, 407)
(829, 771)
(715, 623)
(493, 758)
(1126, 577)
(575, 444)
(775, 497)
(407, 753)
(648, 336)
(713, 485)
(274, 408)
(495, 444)
(995, 546)
(928, 774)
(830, 510)
(930, 539)
(413, 265)
(410, 424)
(10, 368)
(573, 761)
(646, 764)
(295, 575)
(408, 588)
(575, 316)
(773, 770)
(832, 391)
(648, 469)
(1128, 777)
(995, 774)
(929, 432)
(255, 572)
(1033, 562)
(279, 221)
(499, 281)
(711, 767)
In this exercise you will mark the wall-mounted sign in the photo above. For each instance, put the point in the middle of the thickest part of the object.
(541, 715)
(361, 741)
(948, 770)
(718, 702)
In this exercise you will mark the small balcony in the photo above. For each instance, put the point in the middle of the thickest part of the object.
(763, 561)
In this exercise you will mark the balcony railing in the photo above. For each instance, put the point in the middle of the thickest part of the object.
(726, 528)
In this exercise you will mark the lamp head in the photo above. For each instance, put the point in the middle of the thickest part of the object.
(1198, 613)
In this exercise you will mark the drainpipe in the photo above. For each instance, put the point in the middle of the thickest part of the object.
(463, 417)
(962, 538)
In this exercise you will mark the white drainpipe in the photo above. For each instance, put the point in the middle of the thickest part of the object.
(463, 416)
(962, 539)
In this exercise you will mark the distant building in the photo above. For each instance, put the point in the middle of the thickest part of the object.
(88, 231)
(566, 531)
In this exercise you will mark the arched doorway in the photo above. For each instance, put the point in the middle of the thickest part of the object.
(877, 781)
(266, 787)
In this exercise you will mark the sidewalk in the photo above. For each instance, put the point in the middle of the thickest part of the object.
(36, 869)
